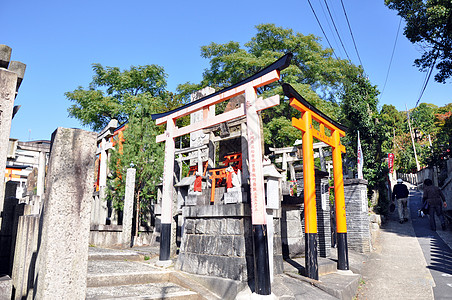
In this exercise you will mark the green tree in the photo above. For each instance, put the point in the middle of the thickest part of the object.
(359, 112)
(138, 150)
(130, 96)
(112, 94)
(423, 119)
(429, 24)
(392, 126)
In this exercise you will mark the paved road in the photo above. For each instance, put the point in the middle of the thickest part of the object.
(410, 261)
(437, 253)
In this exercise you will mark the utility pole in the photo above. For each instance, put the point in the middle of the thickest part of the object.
(435, 173)
(412, 138)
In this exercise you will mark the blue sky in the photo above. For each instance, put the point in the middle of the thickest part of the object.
(59, 40)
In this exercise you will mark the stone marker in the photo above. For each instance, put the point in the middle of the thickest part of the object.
(5, 56)
(63, 250)
(8, 80)
(128, 207)
(18, 68)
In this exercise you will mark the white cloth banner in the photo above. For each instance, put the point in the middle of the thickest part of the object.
(360, 159)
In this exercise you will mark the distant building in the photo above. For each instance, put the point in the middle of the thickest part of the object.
(23, 159)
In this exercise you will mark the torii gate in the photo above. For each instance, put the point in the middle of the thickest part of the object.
(309, 113)
(252, 105)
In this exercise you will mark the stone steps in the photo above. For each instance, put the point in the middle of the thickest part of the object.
(326, 266)
(125, 274)
(142, 291)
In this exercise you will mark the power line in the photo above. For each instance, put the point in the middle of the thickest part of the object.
(337, 32)
(338, 49)
(426, 80)
(392, 56)
(315, 15)
(351, 33)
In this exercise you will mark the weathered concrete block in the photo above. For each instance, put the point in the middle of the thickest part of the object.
(5, 56)
(5, 287)
(238, 246)
(63, 253)
(233, 226)
(200, 227)
(189, 226)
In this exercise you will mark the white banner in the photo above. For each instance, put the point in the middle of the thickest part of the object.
(360, 159)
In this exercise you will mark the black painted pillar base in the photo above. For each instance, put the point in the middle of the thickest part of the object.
(342, 251)
(311, 264)
(261, 264)
(165, 241)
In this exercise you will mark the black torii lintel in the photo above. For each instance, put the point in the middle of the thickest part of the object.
(290, 92)
(279, 65)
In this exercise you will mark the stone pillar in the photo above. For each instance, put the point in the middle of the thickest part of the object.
(103, 208)
(41, 174)
(322, 160)
(199, 138)
(63, 252)
(356, 204)
(128, 208)
(8, 81)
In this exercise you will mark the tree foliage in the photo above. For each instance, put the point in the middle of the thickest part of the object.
(112, 93)
(429, 24)
(130, 96)
(359, 112)
(140, 151)
(314, 73)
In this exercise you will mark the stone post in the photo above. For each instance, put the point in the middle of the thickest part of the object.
(41, 174)
(128, 208)
(103, 209)
(356, 203)
(11, 76)
(63, 250)
(8, 81)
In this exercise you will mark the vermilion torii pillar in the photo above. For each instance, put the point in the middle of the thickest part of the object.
(337, 130)
(252, 105)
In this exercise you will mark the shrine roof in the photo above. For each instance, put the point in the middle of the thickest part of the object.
(279, 65)
(290, 92)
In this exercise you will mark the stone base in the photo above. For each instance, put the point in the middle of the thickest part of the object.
(164, 263)
(198, 198)
(217, 241)
(235, 195)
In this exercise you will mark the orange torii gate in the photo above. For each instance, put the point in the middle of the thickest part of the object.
(309, 113)
(252, 105)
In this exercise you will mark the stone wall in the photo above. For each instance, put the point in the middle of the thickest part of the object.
(217, 241)
(356, 207)
(292, 234)
(111, 235)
